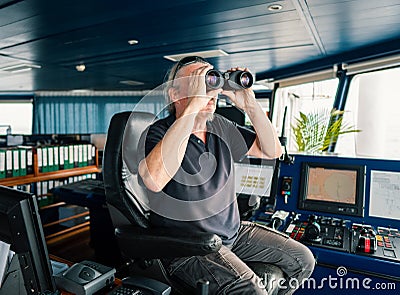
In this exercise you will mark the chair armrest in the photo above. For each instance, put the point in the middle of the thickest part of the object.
(136, 242)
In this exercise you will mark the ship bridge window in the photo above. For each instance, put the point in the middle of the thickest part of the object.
(373, 105)
(313, 99)
(16, 117)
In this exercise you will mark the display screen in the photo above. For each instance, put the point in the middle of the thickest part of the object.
(332, 188)
(253, 179)
(332, 185)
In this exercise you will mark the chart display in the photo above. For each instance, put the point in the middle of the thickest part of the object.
(332, 185)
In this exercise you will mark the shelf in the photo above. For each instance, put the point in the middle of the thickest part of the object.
(45, 176)
(54, 205)
(83, 214)
(49, 175)
(61, 235)
(59, 227)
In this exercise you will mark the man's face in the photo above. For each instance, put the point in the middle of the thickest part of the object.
(182, 82)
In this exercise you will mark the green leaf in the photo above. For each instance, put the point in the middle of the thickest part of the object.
(312, 134)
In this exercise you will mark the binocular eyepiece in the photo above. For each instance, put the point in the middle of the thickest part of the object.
(236, 80)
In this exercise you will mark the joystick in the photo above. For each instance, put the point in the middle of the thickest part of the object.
(312, 232)
(367, 241)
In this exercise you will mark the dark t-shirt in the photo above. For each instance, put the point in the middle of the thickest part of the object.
(201, 195)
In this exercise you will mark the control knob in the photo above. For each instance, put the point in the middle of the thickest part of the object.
(312, 232)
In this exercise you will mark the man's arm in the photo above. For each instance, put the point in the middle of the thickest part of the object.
(267, 143)
(164, 160)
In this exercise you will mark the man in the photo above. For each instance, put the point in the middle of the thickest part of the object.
(188, 171)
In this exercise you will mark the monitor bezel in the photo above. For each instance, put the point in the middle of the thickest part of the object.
(27, 241)
(356, 209)
(258, 162)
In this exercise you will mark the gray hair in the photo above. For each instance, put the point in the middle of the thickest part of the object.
(168, 84)
(171, 75)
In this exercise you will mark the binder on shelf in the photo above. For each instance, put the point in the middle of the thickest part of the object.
(84, 155)
(28, 152)
(61, 157)
(45, 188)
(76, 155)
(9, 163)
(56, 158)
(45, 157)
(50, 158)
(89, 155)
(38, 189)
(22, 161)
(80, 155)
(2, 163)
(93, 147)
(39, 153)
(57, 182)
(71, 156)
(50, 184)
(29, 161)
(15, 163)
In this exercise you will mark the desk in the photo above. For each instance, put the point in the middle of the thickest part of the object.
(90, 193)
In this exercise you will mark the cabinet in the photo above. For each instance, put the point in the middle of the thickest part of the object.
(55, 213)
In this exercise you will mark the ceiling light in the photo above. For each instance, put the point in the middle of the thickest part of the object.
(133, 42)
(131, 82)
(204, 54)
(20, 68)
(275, 7)
(79, 91)
(80, 68)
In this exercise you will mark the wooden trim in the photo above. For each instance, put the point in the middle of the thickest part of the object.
(53, 238)
(49, 175)
(66, 219)
(59, 204)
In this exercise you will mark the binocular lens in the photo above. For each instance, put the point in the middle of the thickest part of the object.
(214, 79)
(246, 80)
(239, 80)
(230, 80)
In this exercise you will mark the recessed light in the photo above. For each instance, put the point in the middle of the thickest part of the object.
(80, 68)
(275, 7)
(204, 54)
(80, 90)
(131, 82)
(20, 68)
(133, 42)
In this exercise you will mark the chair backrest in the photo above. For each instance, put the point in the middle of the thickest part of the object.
(126, 199)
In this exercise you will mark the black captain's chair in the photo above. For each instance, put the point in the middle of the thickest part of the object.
(139, 243)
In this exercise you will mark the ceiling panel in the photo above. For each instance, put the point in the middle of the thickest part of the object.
(60, 34)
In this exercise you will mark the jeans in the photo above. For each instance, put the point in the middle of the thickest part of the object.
(228, 273)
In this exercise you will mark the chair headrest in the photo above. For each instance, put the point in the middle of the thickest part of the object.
(116, 195)
(136, 124)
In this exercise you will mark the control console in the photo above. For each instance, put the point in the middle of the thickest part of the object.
(339, 234)
(381, 243)
(321, 231)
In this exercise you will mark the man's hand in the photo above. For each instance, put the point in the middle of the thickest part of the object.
(197, 95)
(243, 99)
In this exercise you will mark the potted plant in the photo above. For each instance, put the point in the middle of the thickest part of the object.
(319, 130)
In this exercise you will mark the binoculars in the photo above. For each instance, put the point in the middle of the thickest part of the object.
(236, 80)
